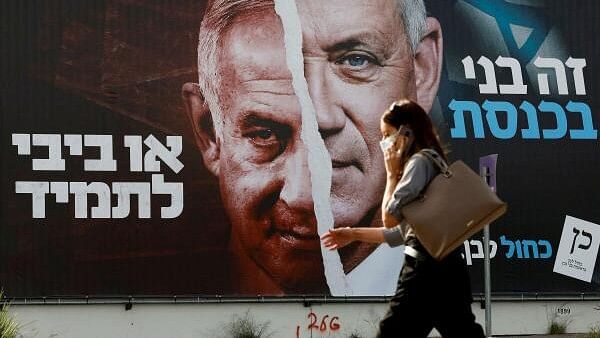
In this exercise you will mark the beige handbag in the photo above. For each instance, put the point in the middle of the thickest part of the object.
(455, 205)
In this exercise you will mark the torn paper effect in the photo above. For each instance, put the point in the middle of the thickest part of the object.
(319, 162)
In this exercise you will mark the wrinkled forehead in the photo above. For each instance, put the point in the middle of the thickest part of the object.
(253, 41)
(335, 16)
(253, 47)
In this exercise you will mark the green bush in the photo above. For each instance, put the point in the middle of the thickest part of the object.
(8, 326)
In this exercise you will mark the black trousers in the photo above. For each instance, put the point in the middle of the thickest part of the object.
(431, 294)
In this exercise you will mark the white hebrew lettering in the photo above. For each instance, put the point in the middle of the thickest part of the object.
(174, 189)
(106, 162)
(75, 144)
(158, 150)
(134, 143)
(54, 162)
(38, 191)
(81, 190)
(559, 70)
(124, 190)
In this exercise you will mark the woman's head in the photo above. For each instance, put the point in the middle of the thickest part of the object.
(409, 114)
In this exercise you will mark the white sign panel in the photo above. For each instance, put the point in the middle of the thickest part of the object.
(578, 249)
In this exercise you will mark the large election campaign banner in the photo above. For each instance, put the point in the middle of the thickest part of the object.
(200, 147)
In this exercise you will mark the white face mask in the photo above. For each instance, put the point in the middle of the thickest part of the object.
(389, 141)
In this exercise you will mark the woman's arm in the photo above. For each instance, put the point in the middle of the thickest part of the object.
(389, 220)
(394, 164)
(418, 172)
(340, 237)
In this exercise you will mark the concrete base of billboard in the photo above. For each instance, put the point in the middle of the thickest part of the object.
(293, 320)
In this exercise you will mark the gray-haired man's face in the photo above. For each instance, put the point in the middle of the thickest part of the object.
(357, 61)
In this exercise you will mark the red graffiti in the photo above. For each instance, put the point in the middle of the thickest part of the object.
(327, 323)
(334, 324)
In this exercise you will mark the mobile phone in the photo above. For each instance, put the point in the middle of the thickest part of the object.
(406, 132)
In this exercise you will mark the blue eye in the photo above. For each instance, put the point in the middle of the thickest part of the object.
(358, 66)
(357, 60)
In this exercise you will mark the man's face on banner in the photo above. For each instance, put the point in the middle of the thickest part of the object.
(357, 60)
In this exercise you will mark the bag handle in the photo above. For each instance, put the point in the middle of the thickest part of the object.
(438, 160)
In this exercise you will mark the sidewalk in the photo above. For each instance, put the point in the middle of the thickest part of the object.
(565, 335)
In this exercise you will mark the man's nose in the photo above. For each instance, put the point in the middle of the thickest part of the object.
(297, 191)
(330, 114)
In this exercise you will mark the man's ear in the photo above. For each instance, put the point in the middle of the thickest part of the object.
(428, 64)
(202, 125)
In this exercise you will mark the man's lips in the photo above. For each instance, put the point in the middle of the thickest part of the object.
(344, 164)
(299, 236)
(300, 232)
(296, 224)
(300, 241)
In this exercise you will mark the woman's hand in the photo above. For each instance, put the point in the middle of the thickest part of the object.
(393, 162)
(337, 238)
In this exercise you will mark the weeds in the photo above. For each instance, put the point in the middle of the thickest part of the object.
(8, 325)
(356, 334)
(593, 333)
(247, 327)
(558, 321)
(557, 328)
(372, 324)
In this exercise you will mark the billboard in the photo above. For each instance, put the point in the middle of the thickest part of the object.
(200, 147)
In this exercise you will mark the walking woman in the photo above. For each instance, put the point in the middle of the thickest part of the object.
(430, 293)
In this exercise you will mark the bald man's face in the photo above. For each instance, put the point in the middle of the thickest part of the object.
(356, 63)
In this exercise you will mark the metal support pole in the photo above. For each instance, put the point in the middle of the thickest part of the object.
(487, 169)
(488, 281)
